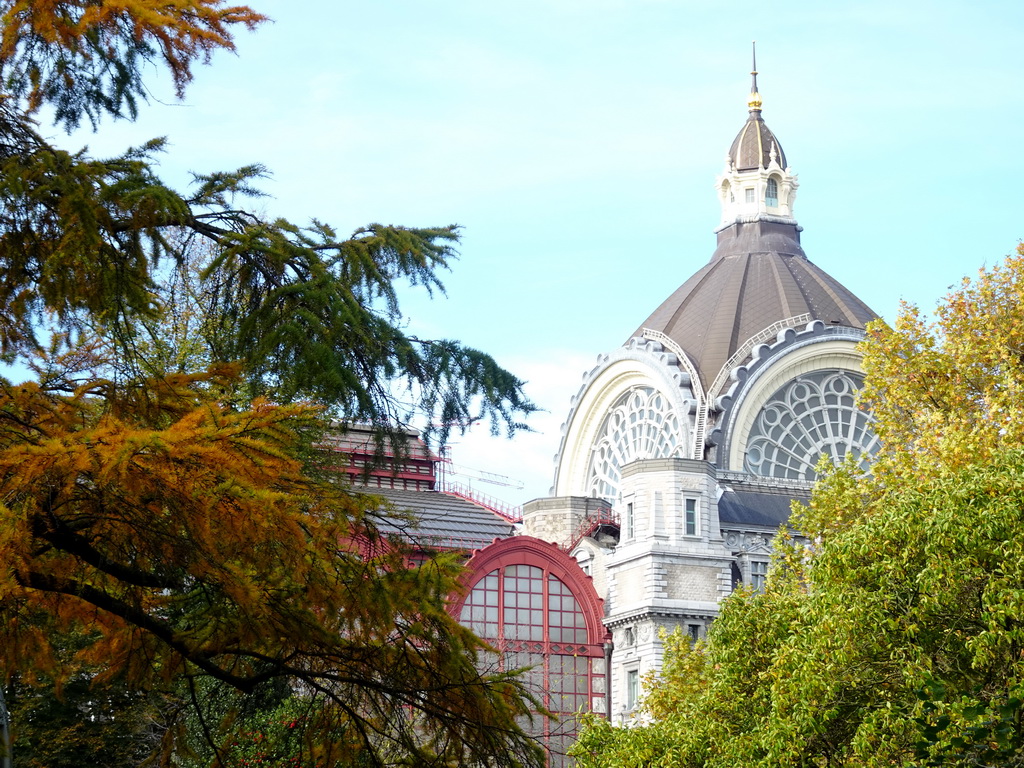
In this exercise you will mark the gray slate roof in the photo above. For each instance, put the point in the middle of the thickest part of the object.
(768, 509)
(758, 275)
(443, 520)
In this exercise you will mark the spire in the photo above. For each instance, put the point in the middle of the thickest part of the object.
(757, 183)
(754, 102)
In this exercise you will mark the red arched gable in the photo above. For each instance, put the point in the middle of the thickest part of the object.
(526, 550)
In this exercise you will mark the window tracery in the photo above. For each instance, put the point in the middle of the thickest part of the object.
(813, 415)
(640, 425)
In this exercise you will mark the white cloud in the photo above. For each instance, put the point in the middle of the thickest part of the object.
(553, 376)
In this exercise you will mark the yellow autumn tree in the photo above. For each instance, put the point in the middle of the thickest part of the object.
(176, 520)
(950, 392)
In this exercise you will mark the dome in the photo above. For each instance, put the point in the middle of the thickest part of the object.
(758, 276)
(755, 144)
(752, 147)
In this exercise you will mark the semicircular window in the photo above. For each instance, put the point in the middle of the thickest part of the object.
(813, 415)
(640, 425)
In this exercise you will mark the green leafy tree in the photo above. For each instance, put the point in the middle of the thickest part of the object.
(163, 495)
(896, 637)
(79, 722)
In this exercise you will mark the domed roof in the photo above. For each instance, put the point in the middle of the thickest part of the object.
(752, 147)
(758, 275)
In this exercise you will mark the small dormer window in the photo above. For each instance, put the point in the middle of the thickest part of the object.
(771, 193)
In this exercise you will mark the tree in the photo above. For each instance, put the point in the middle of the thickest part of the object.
(896, 636)
(82, 723)
(168, 505)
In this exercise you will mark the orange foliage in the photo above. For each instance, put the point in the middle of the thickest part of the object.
(183, 31)
(181, 537)
(110, 523)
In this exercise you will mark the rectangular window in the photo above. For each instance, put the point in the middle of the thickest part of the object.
(758, 574)
(690, 517)
(632, 688)
(630, 525)
(694, 631)
(749, 194)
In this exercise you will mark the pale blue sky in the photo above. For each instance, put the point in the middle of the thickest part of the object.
(578, 142)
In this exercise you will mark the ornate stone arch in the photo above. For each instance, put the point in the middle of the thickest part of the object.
(792, 402)
(636, 403)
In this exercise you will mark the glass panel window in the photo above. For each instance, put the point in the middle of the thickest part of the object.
(758, 575)
(640, 425)
(771, 193)
(524, 599)
(632, 688)
(533, 618)
(690, 519)
(749, 194)
(813, 415)
(480, 611)
(566, 622)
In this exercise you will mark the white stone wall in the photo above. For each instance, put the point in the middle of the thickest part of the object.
(592, 559)
(696, 582)
(661, 578)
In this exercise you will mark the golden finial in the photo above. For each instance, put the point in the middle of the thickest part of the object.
(754, 102)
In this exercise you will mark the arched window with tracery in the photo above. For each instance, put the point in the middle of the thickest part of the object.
(641, 424)
(815, 414)
(534, 604)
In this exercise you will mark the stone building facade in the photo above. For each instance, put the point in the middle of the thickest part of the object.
(685, 447)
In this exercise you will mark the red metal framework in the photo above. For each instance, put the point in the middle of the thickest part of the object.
(368, 464)
(538, 608)
(593, 522)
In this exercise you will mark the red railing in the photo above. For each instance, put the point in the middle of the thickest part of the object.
(590, 524)
(511, 513)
